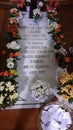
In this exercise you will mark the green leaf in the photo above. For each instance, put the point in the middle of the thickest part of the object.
(62, 64)
(70, 100)
(59, 93)
(57, 46)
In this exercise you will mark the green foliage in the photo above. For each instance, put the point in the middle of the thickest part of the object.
(10, 38)
(70, 100)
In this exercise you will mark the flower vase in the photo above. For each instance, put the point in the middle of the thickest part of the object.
(36, 21)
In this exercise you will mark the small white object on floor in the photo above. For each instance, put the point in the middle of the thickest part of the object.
(40, 90)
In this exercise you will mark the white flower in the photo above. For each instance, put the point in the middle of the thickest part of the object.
(1, 83)
(12, 20)
(14, 96)
(61, 50)
(40, 89)
(11, 88)
(12, 10)
(6, 89)
(1, 99)
(1, 88)
(8, 84)
(40, 4)
(11, 97)
(46, 92)
(53, 25)
(10, 59)
(51, 10)
(5, 94)
(10, 65)
(13, 45)
(36, 11)
(28, 1)
(7, 102)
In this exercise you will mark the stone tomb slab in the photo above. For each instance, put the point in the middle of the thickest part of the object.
(37, 59)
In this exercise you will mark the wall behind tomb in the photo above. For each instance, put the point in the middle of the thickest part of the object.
(4, 11)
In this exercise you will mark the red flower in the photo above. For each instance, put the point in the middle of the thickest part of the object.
(57, 30)
(52, 4)
(11, 55)
(12, 28)
(67, 59)
(6, 73)
(61, 36)
(58, 40)
(16, 54)
(59, 25)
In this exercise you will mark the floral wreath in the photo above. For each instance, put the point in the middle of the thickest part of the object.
(8, 85)
(55, 30)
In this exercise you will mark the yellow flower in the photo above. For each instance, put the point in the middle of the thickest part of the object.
(11, 97)
(65, 77)
(8, 84)
(14, 72)
(1, 99)
(72, 89)
(11, 88)
(14, 96)
(1, 88)
(64, 89)
(50, 28)
(65, 97)
(72, 75)
(71, 93)
(5, 95)
(1, 83)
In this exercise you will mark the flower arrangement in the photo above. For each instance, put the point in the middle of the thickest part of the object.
(12, 33)
(8, 93)
(65, 86)
(55, 30)
(8, 85)
(36, 14)
(14, 12)
(40, 90)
